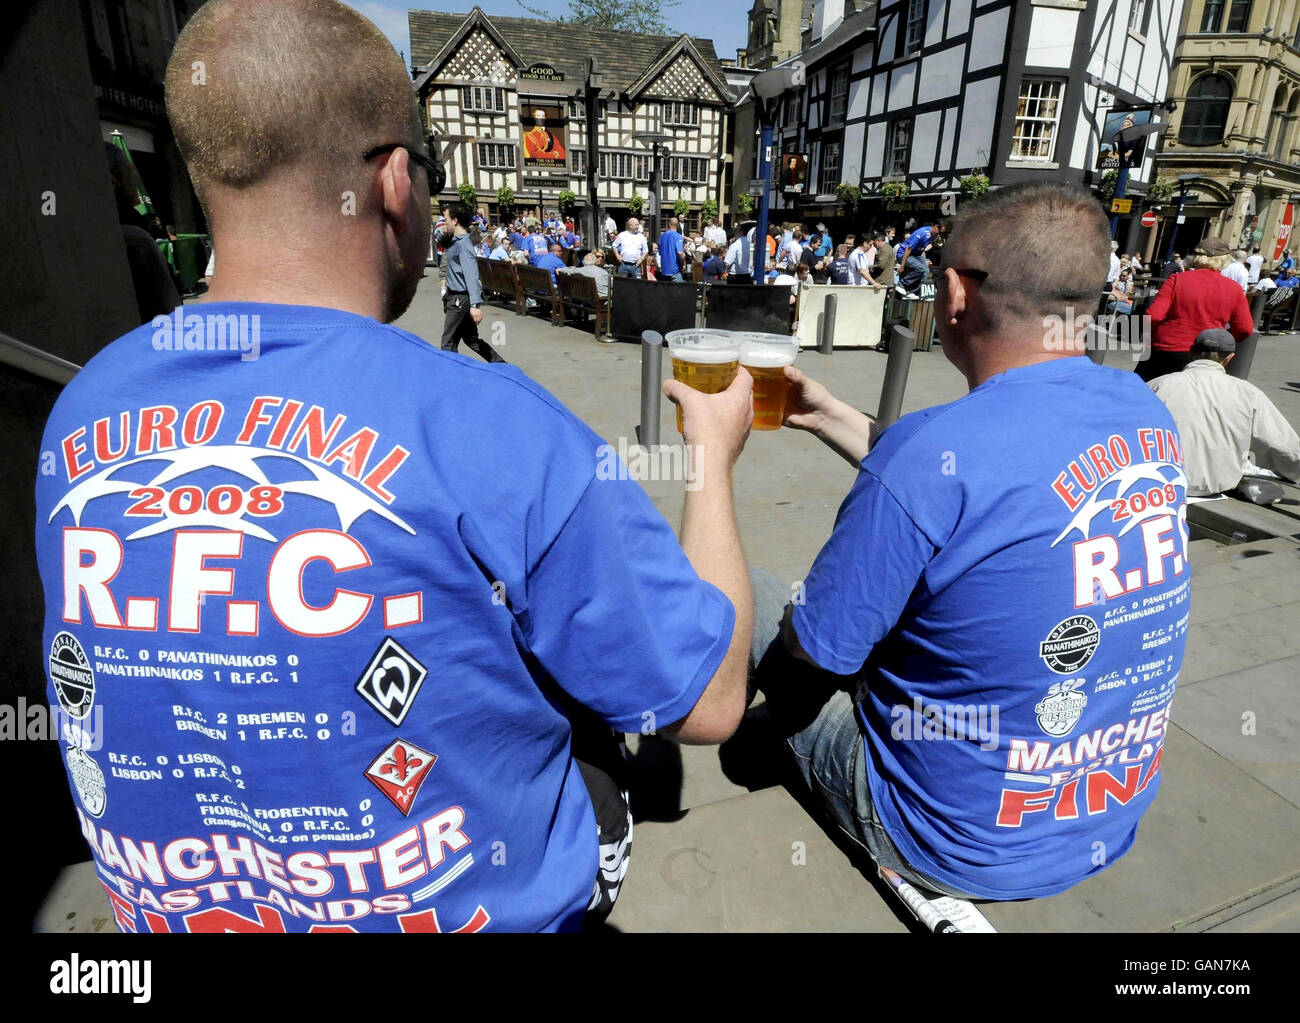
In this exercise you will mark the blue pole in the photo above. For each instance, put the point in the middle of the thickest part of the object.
(764, 172)
(1121, 189)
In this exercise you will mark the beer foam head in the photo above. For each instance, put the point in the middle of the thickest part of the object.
(764, 350)
(703, 346)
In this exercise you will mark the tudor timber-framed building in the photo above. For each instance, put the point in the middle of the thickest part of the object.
(926, 92)
(472, 76)
(1237, 82)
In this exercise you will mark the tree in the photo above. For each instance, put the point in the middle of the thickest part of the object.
(644, 16)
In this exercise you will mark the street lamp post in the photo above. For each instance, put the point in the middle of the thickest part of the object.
(657, 141)
(1182, 201)
(591, 99)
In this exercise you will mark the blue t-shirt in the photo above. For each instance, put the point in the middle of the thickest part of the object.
(917, 241)
(841, 272)
(516, 240)
(550, 262)
(537, 246)
(670, 252)
(1021, 551)
(714, 268)
(328, 628)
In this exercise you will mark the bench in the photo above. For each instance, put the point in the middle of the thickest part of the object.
(1279, 317)
(497, 277)
(579, 298)
(536, 283)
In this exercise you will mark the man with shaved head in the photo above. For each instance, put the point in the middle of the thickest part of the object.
(356, 610)
(960, 683)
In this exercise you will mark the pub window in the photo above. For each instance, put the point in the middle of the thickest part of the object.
(496, 155)
(914, 34)
(1212, 15)
(1238, 15)
(677, 114)
(791, 115)
(690, 170)
(1038, 115)
(1137, 15)
(578, 161)
(899, 153)
(483, 99)
(577, 110)
(829, 176)
(1205, 115)
(839, 95)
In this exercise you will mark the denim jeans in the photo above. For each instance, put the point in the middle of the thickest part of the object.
(629, 269)
(674, 278)
(820, 727)
(914, 274)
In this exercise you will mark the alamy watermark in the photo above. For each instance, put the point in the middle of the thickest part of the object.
(1110, 332)
(679, 462)
(943, 722)
(179, 331)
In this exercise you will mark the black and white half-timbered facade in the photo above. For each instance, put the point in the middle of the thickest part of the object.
(924, 93)
(504, 99)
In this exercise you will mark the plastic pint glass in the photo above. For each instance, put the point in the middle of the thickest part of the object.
(765, 356)
(703, 359)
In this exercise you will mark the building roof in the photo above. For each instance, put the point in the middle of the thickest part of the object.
(624, 56)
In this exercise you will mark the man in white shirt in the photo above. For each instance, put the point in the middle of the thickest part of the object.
(1223, 422)
(631, 248)
(860, 260)
(1236, 270)
(740, 260)
(1253, 264)
(1114, 265)
(609, 225)
(714, 233)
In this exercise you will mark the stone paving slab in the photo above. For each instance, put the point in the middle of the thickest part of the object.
(754, 863)
(1263, 744)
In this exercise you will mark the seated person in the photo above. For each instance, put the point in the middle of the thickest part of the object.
(966, 736)
(715, 267)
(591, 268)
(552, 261)
(1121, 294)
(1226, 423)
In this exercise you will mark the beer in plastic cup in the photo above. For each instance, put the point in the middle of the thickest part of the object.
(765, 356)
(703, 359)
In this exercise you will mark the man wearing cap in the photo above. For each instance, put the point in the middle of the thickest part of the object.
(1225, 423)
(1193, 301)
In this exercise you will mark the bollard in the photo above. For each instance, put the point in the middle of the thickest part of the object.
(901, 343)
(1239, 367)
(652, 350)
(826, 343)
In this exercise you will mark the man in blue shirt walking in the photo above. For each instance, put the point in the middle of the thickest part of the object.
(977, 744)
(915, 267)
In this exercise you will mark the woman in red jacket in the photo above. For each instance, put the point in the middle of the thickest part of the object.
(1198, 299)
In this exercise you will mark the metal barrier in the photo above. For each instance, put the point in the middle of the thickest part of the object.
(31, 360)
(652, 352)
(901, 343)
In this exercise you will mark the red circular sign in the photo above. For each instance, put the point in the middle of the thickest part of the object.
(1149, 219)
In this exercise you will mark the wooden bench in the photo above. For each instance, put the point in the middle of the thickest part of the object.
(1279, 318)
(497, 276)
(536, 283)
(579, 297)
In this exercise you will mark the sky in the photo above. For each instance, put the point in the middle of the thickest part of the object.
(723, 21)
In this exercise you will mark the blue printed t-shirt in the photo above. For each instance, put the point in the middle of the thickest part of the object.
(1020, 552)
(670, 251)
(841, 272)
(916, 242)
(326, 628)
(537, 246)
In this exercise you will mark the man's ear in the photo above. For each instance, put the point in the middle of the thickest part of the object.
(955, 306)
(395, 177)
